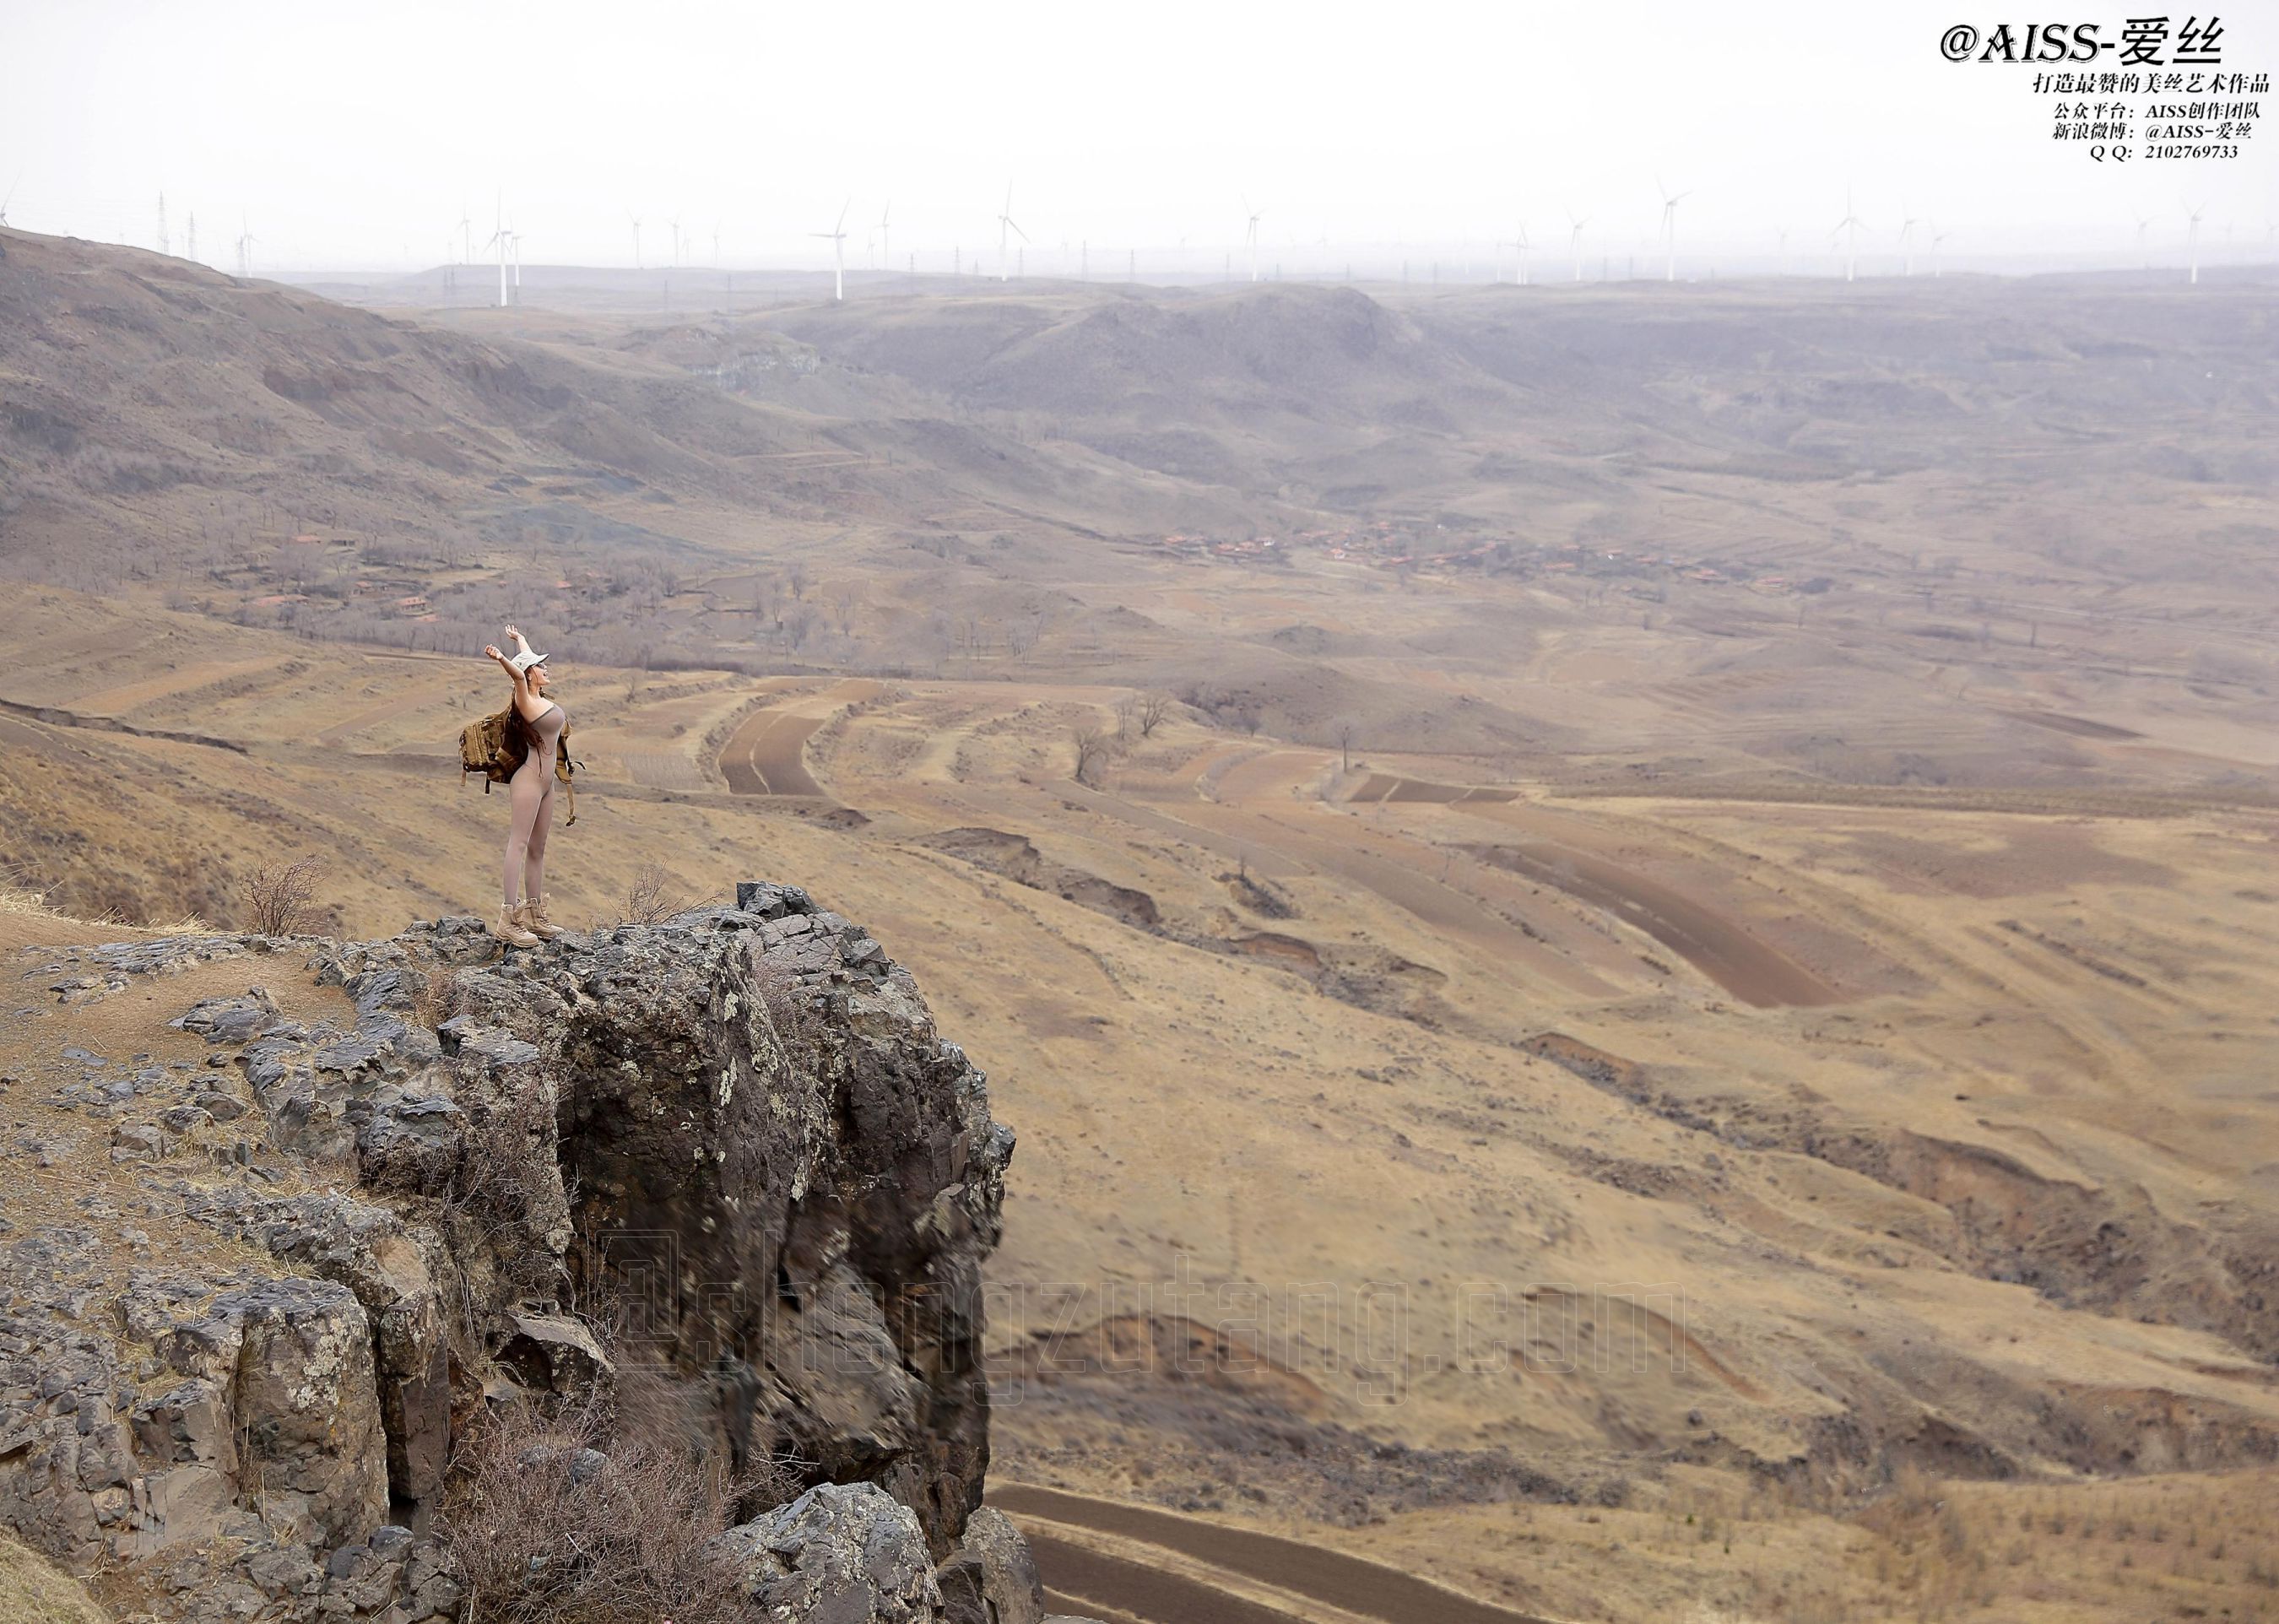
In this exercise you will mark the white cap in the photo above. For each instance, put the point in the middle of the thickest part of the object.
(521, 664)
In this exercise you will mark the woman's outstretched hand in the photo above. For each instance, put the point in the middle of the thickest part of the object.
(492, 650)
(515, 632)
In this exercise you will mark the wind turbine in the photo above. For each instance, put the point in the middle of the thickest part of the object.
(1004, 225)
(2192, 241)
(838, 235)
(2144, 224)
(635, 219)
(1523, 245)
(1251, 235)
(499, 241)
(1907, 224)
(1936, 237)
(676, 239)
(1575, 242)
(514, 243)
(885, 242)
(466, 237)
(716, 242)
(1851, 223)
(1670, 230)
(245, 250)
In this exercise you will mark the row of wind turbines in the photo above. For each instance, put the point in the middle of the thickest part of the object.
(1914, 230)
(1915, 234)
(1846, 233)
(1007, 228)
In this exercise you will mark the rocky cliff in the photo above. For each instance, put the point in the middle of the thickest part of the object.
(342, 1204)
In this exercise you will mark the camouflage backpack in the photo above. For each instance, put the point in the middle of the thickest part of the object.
(494, 747)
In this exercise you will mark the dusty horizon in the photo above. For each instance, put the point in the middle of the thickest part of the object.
(1115, 142)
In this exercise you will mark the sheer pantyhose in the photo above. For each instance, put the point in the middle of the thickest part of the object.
(531, 793)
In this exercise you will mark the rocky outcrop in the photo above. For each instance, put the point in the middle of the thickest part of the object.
(839, 1552)
(992, 1579)
(726, 1160)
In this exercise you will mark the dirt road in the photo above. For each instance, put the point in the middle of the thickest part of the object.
(1751, 970)
(1078, 1579)
(766, 755)
(1313, 1572)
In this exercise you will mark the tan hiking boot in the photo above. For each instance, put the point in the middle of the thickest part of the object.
(509, 929)
(532, 917)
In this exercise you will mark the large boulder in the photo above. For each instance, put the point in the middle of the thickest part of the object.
(841, 1552)
(992, 1579)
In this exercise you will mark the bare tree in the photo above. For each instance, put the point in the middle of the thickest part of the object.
(282, 896)
(844, 598)
(1093, 748)
(798, 581)
(797, 625)
(973, 637)
(1127, 715)
(1155, 705)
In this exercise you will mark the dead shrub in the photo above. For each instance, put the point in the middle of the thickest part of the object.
(652, 898)
(435, 996)
(282, 896)
(506, 1175)
(797, 1016)
(564, 1519)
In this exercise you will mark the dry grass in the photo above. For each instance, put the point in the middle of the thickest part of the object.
(506, 1175)
(798, 1022)
(435, 996)
(567, 1520)
(20, 895)
(33, 1591)
(1709, 1546)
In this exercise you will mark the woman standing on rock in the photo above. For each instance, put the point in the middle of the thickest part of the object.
(536, 723)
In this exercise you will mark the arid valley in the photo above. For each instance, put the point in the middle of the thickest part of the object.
(1630, 930)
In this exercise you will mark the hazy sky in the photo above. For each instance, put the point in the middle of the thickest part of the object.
(357, 135)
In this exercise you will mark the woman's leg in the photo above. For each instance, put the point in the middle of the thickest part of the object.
(527, 793)
(533, 867)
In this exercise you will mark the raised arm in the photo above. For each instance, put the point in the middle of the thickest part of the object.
(521, 687)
